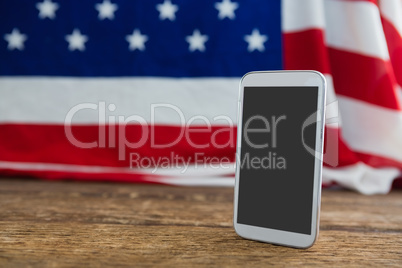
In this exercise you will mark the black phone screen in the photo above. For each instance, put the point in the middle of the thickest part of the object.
(276, 170)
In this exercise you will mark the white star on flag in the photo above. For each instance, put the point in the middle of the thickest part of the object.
(167, 10)
(106, 10)
(47, 9)
(137, 40)
(197, 41)
(256, 41)
(15, 40)
(76, 40)
(226, 9)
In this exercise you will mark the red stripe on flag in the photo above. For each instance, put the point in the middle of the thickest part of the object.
(305, 50)
(378, 161)
(394, 42)
(35, 144)
(364, 78)
(32, 144)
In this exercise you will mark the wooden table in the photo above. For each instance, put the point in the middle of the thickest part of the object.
(100, 224)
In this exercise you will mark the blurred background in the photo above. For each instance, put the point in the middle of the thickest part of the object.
(146, 91)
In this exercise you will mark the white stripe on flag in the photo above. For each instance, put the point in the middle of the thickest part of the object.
(371, 129)
(355, 26)
(312, 15)
(49, 99)
(392, 11)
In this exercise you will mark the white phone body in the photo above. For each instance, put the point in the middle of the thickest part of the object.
(254, 221)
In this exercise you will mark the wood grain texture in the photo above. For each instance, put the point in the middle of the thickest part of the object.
(70, 224)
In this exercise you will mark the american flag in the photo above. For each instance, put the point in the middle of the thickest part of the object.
(146, 91)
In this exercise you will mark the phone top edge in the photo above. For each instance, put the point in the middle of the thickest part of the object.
(277, 74)
(284, 71)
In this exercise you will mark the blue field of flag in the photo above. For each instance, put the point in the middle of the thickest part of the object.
(177, 38)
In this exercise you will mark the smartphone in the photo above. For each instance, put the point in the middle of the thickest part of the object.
(279, 157)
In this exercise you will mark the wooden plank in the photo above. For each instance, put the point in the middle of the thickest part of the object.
(73, 224)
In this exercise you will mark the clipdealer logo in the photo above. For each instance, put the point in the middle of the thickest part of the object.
(112, 133)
